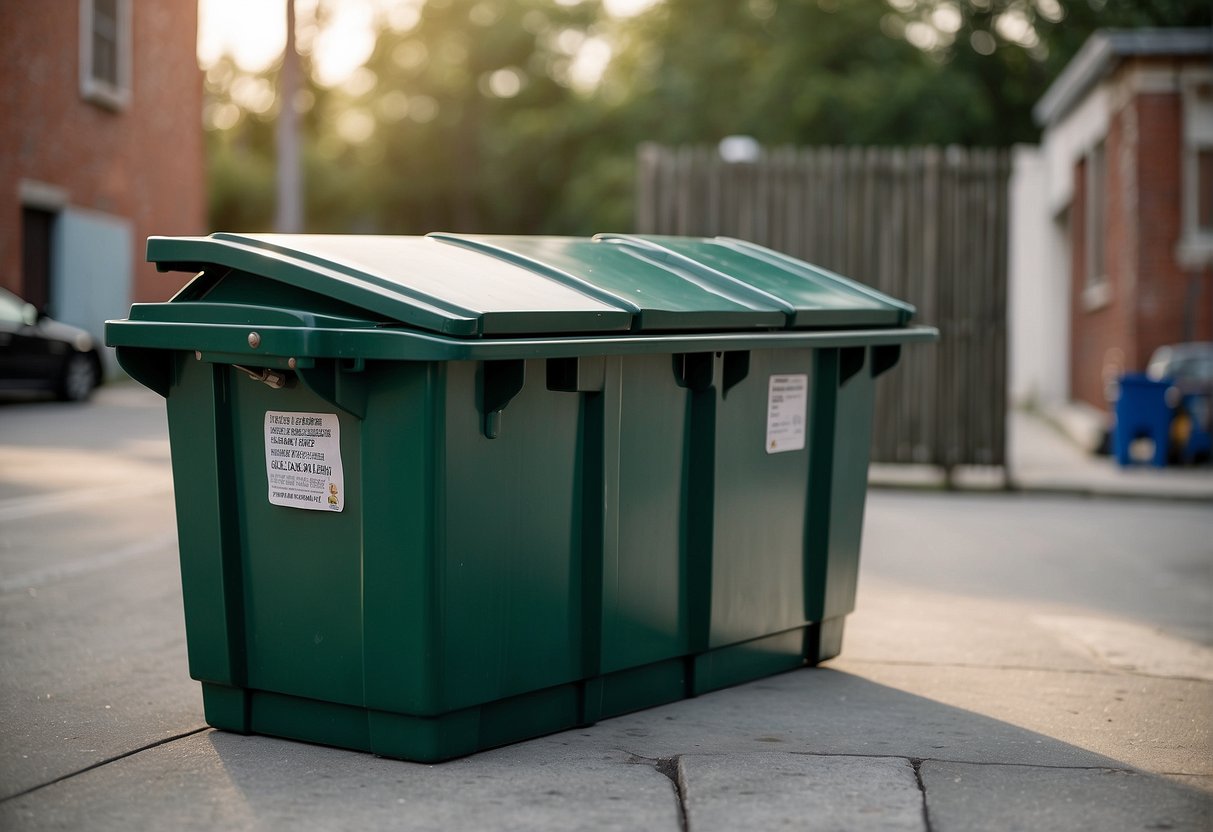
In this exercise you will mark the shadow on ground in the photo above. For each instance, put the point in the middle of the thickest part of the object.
(817, 748)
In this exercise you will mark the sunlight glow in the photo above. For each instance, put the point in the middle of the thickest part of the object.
(590, 62)
(627, 8)
(345, 42)
(1014, 25)
(253, 32)
(505, 83)
(946, 18)
(355, 125)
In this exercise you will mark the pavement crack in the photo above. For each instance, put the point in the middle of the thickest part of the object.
(671, 769)
(106, 762)
(922, 788)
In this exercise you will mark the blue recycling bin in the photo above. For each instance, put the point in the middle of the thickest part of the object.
(1142, 412)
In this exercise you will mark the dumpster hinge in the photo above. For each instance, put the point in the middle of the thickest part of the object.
(736, 366)
(151, 368)
(340, 383)
(884, 358)
(499, 383)
(694, 370)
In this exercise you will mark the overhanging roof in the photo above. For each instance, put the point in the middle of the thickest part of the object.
(1103, 51)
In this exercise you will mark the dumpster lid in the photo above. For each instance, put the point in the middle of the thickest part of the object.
(483, 286)
(683, 282)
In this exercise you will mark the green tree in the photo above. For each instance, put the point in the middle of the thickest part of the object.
(472, 116)
(474, 120)
(860, 71)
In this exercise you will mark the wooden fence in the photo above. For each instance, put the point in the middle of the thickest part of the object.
(927, 225)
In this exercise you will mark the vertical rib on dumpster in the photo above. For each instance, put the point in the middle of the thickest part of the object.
(841, 432)
(755, 528)
(599, 477)
(595, 524)
(203, 474)
(399, 446)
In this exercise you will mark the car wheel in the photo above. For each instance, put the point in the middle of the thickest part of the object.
(79, 378)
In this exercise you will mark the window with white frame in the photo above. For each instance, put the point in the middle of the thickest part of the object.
(1196, 242)
(105, 52)
(1096, 291)
(1204, 195)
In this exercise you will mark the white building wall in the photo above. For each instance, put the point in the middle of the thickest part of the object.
(1038, 292)
(1068, 140)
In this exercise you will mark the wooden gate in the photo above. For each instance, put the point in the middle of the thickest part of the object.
(927, 225)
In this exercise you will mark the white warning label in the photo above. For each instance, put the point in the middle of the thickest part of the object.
(303, 460)
(787, 398)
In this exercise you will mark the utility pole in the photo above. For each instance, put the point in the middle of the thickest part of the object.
(289, 215)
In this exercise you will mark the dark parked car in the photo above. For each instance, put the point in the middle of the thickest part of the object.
(1189, 365)
(37, 353)
(1189, 369)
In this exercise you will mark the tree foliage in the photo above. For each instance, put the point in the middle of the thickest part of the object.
(477, 115)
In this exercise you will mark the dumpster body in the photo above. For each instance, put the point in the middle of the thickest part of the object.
(440, 494)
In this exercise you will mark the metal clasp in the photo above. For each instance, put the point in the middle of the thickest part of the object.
(270, 378)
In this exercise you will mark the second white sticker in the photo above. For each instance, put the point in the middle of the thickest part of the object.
(787, 401)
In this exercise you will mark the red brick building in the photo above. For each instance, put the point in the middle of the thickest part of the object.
(100, 146)
(1125, 172)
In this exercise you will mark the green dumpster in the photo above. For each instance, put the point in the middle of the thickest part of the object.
(436, 494)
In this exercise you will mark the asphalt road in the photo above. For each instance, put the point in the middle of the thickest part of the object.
(1016, 661)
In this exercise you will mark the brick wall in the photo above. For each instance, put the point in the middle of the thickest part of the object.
(1150, 300)
(1173, 304)
(143, 163)
(1102, 331)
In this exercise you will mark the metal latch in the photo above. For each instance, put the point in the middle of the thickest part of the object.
(271, 378)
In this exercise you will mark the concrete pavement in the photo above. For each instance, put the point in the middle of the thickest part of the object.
(1016, 661)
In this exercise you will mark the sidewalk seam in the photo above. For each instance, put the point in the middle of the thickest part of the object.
(1111, 671)
(920, 760)
(106, 762)
(1018, 487)
(916, 762)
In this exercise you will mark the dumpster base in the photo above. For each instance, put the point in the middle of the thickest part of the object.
(534, 714)
(823, 641)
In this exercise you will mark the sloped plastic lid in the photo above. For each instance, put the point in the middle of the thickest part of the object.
(477, 286)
